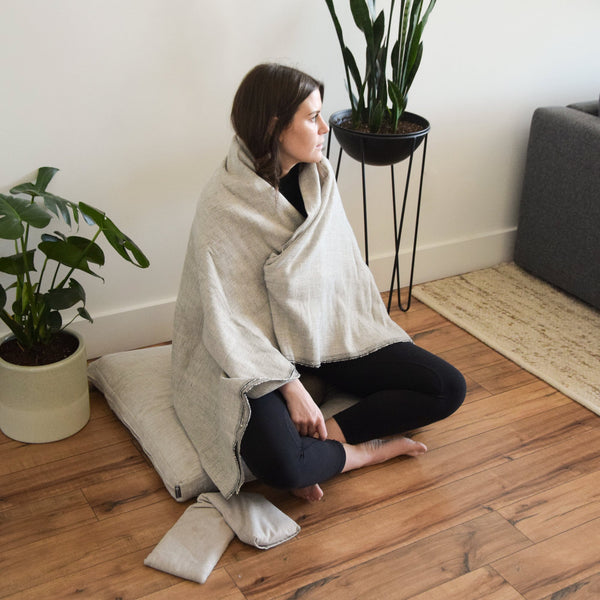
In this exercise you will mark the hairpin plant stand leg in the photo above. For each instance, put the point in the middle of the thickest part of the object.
(398, 229)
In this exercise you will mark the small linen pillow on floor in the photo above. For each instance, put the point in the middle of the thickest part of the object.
(137, 387)
(193, 546)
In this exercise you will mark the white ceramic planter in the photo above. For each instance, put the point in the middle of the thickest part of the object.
(45, 403)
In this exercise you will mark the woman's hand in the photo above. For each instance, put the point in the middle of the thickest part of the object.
(305, 414)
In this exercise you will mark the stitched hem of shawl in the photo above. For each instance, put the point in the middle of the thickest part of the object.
(243, 423)
(237, 456)
(350, 356)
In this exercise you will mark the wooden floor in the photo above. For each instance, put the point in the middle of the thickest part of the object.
(504, 506)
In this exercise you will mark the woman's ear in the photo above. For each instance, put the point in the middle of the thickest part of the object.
(272, 125)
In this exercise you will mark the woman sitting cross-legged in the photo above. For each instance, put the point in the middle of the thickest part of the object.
(273, 289)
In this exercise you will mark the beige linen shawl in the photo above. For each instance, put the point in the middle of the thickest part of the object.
(262, 290)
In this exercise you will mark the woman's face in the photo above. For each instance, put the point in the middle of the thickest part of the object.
(302, 140)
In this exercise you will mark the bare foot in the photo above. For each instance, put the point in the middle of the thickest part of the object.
(377, 451)
(311, 493)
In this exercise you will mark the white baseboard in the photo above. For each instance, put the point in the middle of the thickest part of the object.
(152, 324)
(128, 329)
(436, 261)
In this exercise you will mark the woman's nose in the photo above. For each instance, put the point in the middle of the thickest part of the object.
(323, 127)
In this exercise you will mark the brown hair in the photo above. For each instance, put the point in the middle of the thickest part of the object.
(264, 105)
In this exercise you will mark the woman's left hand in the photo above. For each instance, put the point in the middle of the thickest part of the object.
(304, 412)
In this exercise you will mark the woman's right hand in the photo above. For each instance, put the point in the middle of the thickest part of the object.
(304, 412)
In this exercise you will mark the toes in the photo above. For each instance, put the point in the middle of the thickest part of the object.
(417, 449)
(312, 493)
(420, 448)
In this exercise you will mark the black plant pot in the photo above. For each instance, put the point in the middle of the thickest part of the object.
(378, 148)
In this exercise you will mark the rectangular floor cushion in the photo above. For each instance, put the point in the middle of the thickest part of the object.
(137, 387)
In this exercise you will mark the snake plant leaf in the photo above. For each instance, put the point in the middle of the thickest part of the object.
(414, 67)
(427, 13)
(413, 38)
(16, 211)
(376, 117)
(378, 30)
(394, 92)
(399, 102)
(353, 68)
(402, 38)
(354, 102)
(63, 298)
(395, 58)
(415, 9)
(353, 98)
(404, 51)
(416, 45)
(362, 16)
(17, 264)
(336, 21)
(381, 65)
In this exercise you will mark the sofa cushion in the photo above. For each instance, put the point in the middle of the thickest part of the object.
(591, 107)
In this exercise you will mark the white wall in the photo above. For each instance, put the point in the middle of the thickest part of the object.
(131, 99)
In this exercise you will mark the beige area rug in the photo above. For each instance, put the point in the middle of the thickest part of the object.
(545, 331)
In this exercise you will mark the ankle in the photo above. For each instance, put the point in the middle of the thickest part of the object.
(334, 431)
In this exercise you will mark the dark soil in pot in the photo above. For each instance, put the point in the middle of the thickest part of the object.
(379, 148)
(404, 127)
(62, 346)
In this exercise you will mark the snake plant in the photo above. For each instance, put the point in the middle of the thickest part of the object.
(378, 97)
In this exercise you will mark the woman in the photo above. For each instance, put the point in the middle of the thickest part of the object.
(274, 288)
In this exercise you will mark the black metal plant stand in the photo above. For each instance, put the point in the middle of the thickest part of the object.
(398, 229)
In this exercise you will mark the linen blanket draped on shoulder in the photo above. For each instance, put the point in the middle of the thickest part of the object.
(263, 290)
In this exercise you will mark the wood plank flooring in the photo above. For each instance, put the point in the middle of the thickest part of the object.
(504, 506)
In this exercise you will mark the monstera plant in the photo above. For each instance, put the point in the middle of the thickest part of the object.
(41, 272)
(378, 95)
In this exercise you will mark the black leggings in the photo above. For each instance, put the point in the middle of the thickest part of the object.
(400, 387)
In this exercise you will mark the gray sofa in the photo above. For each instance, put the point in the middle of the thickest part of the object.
(558, 235)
